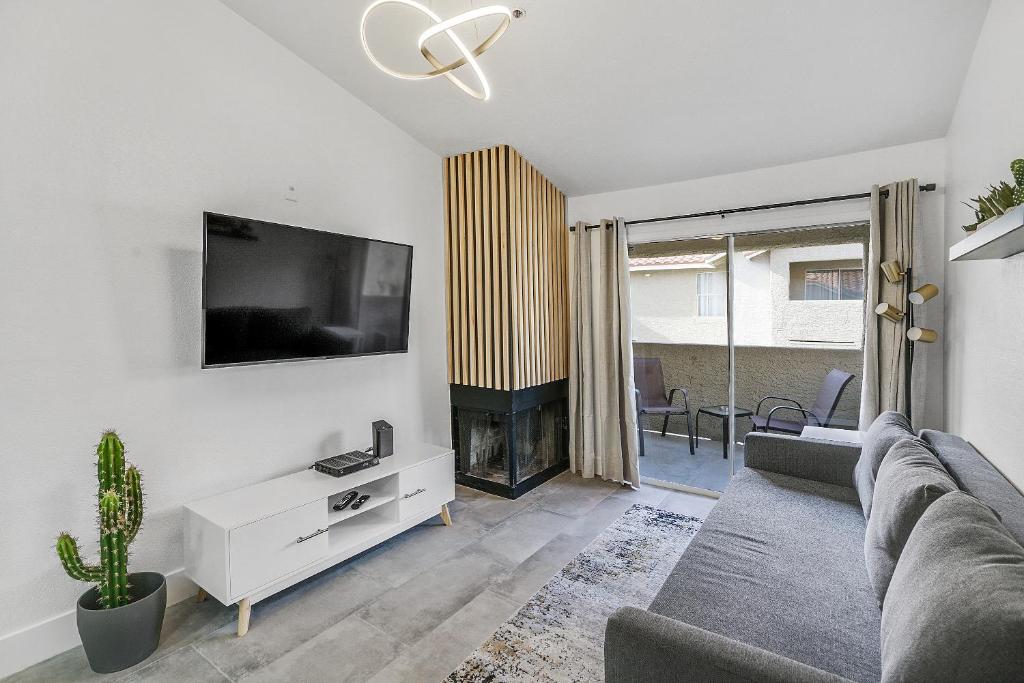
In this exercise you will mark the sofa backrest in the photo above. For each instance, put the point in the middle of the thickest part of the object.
(976, 475)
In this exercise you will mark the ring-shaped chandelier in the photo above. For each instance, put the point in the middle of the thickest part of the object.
(446, 27)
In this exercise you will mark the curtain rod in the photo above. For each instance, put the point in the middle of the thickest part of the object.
(930, 187)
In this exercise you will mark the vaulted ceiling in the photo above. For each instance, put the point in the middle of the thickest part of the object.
(604, 95)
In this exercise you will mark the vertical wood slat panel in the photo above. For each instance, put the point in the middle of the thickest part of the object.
(531, 246)
(556, 229)
(549, 282)
(503, 222)
(513, 308)
(463, 275)
(519, 331)
(448, 288)
(484, 212)
(517, 294)
(538, 267)
(506, 271)
(562, 237)
(471, 270)
(478, 236)
(495, 304)
(542, 327)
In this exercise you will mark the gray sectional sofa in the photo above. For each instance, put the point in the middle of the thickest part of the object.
(774, 587)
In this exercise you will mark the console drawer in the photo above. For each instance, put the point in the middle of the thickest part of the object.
(427, 486)
(272, 547)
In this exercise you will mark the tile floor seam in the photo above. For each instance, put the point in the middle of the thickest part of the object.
(211, 663)
(516, 605)
(123, 676)
(403, 645)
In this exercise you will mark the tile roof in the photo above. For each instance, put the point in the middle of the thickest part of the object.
(685, 259)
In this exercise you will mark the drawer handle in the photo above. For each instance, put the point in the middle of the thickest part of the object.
(300, 539)
(414, 493)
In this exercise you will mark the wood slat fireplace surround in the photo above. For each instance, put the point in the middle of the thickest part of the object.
(507, 303)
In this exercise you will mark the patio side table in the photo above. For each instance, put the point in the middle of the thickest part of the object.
(722, 413)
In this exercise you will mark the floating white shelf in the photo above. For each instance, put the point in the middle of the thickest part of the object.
(1001, 238)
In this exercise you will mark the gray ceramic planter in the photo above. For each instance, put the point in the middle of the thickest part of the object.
(115, 639)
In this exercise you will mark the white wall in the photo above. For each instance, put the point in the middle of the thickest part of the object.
(847, 174)
(984, 315)
(121, 122)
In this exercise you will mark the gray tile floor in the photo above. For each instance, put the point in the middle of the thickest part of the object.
(409, 610)
(668, 458)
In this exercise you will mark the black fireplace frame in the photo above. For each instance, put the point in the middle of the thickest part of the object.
(508, 404)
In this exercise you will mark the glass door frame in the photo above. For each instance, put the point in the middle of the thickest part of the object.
(730, 293)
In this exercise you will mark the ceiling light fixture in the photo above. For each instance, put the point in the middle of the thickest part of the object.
(446, 27)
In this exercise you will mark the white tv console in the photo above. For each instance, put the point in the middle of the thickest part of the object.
(245, 545)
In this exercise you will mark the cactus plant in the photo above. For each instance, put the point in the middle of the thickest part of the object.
(1017, 168)
(120, 516)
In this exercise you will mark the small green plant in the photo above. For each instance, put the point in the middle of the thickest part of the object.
(120, 516)
(1017, 168)
(1000, 198)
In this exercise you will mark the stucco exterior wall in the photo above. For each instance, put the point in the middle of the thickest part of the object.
(796, 321)
(760, 371)
(664, 303)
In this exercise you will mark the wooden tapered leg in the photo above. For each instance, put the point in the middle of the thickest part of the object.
(446, 516)
(201, 596)
(244, 610)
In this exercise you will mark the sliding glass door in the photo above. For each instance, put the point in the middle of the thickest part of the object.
(745, 328)
(680, 304)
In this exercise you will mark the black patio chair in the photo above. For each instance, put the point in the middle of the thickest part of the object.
(652, 398)
(819, 415)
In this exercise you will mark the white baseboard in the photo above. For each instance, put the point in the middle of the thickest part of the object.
(40, 641)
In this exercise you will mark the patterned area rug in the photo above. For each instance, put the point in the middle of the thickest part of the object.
(559, 634)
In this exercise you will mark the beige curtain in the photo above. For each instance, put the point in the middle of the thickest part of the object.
(603, 438)
(893, 222)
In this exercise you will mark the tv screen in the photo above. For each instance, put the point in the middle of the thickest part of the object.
(279, 293)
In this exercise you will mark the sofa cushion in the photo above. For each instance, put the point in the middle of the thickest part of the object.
(779, 564)
(886, 430)
(955, 607)
(980, 478)
(910, 479)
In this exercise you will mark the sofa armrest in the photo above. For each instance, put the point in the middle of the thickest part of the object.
(644, 647)
(825, 461)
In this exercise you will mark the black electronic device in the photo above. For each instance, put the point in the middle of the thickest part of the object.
(383, 439)
(344, 502)
(346, 463)
(359, 503)
(275, 293)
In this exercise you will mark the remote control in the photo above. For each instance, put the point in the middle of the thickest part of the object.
(359, 503)
(349, 497)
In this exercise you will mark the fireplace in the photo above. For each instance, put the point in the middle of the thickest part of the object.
(508, 442)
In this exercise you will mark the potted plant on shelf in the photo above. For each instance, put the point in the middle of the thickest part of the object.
(1000, 199)
(119, 619)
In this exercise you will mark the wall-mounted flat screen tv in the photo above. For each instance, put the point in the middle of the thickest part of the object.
(275, 293)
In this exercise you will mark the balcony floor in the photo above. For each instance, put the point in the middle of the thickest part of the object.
(668, 459)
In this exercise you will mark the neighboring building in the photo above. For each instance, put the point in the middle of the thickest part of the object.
(785, 297)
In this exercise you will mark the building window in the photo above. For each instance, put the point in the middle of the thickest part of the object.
(711, 294)
(833, 284)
